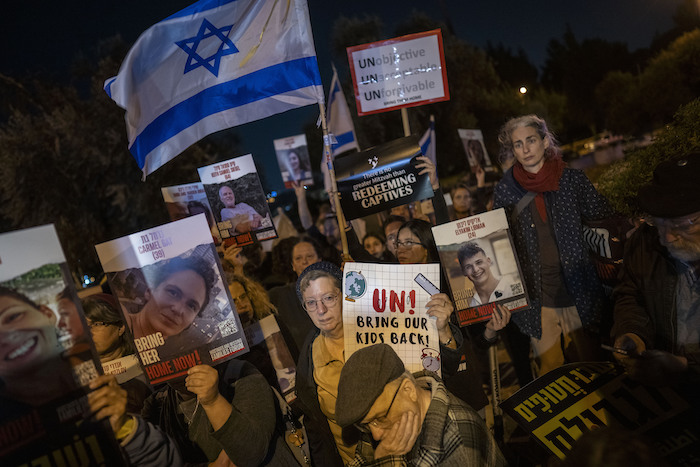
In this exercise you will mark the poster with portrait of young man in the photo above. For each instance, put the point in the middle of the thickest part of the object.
(238, 201)
(173, 297)
(48, 359)
(481, 265)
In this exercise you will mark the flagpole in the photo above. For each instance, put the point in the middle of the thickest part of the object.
(334, 187)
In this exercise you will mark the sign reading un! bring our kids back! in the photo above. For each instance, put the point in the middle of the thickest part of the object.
(406, 71)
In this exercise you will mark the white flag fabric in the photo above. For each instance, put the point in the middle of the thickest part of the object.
(339, 119)
(427, 142)
(214, 65)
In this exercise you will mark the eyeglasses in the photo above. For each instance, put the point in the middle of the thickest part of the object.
(679, 225)
(407, 244)
(98, 324)
(327, 300)
(379, 422)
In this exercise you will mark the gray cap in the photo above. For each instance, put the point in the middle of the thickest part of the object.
(364, 376)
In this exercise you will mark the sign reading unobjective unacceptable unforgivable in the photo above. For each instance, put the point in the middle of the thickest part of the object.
(406, 71)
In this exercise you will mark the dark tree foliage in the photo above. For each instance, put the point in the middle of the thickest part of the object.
(514, 68)
(575, 68)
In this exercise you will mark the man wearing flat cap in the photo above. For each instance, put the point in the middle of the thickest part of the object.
(657, 303)
(415, 420)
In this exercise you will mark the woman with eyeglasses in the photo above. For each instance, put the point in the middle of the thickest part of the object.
(115, 348)
(322, 358)
(415, 245)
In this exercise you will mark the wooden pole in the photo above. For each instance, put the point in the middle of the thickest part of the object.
(335, 196)
(404, 120)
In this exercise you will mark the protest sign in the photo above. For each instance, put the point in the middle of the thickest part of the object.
(189, 200)
(383, 304)
(293, 159)
(481, 266)
(268, 347)
(168, 280)
(238, 201)
(402, 72)
(48, 359)
(474, 147)
(571, 400)
(380, 178)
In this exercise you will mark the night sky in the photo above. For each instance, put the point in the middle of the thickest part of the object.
(46, 36)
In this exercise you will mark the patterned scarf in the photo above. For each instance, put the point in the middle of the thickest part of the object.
(547, 179)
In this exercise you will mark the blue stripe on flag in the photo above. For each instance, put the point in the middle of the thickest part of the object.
(108, 86)
(199, 7)
(345, 138)
(424, 147)
(261, 84)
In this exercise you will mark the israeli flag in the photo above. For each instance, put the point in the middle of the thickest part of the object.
(214, 65)
(339, 119)
(427, 142)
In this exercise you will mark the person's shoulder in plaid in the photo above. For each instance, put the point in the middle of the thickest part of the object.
(413, 421)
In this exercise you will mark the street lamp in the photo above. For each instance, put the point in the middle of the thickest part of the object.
(523, 90)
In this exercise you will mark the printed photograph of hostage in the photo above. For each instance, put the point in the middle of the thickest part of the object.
(295, 166)
(243, 217)
(181, 301)
(476, 266)
(33, 370)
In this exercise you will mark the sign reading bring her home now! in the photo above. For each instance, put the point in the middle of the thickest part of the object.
(403, 72)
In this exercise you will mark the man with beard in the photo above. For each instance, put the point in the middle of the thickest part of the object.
(657, 303)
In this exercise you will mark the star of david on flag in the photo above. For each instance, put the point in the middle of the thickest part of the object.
(214, 65)
(212, 62)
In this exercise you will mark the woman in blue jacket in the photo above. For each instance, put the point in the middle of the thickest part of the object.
(547, 204)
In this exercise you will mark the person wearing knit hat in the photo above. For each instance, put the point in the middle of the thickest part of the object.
(657, 304)
(415, 420)
(321, 360)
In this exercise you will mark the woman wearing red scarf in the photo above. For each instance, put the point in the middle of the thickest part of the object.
(565, 293)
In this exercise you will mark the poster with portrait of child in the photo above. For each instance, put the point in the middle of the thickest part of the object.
(47, 356)
(238, 201)
(479, 260)
(293, 160)
(474, 147)
(173, 298)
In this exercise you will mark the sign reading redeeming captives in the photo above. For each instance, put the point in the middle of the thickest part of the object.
(403, 72)
(381, 178)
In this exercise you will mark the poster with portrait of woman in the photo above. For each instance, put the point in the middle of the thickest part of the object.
(474, 147)
(293, 159)
(47, 356)
(187, 200)
(238, 201)
(170, 287)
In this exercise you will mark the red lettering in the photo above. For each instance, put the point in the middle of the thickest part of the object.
(375, 301)
(158, 370)
(394, 302)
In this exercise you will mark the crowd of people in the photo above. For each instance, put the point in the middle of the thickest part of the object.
(367, 409)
